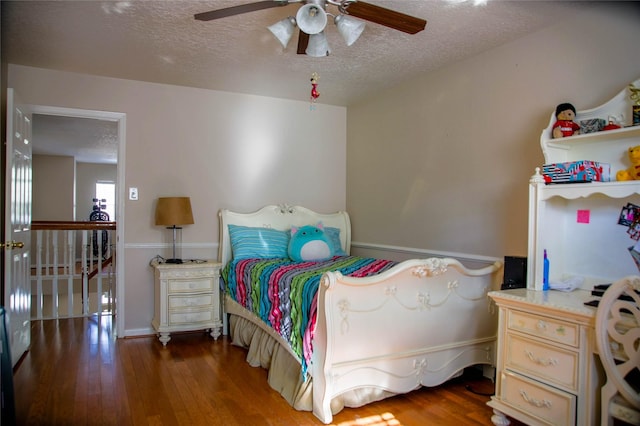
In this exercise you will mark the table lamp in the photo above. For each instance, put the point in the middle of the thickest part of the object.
(171, 212)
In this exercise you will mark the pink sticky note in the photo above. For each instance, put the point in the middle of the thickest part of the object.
(583, 216)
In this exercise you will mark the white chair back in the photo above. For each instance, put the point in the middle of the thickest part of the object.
(618, 342)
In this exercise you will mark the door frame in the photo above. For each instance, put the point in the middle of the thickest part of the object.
(121, 119)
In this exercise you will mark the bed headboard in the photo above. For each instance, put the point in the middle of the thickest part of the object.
(280, 217)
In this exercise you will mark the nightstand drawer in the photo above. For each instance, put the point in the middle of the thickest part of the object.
(183, 286)
(544, 327)
(547, 403)
(182, 317)
(544, 362)
(190, 301)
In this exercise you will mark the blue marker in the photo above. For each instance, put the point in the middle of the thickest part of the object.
(545, 272)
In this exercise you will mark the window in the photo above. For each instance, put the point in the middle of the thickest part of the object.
(107, 191)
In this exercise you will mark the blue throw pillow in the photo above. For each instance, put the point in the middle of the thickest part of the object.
(249, 242)
(334, 239)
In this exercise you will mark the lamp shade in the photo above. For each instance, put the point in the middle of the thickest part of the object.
(311, 18)
(349, 28)
(283, 30)
(318, 45)
(172, 211)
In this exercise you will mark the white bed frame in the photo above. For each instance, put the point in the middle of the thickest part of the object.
(418, 324)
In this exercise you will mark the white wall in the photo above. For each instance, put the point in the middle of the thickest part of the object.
(442, 162)
(63, 189)
(53, 187)
(87, 175)
(221, 149)
(438, 163)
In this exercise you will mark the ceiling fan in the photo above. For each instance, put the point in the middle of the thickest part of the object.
(311, 19)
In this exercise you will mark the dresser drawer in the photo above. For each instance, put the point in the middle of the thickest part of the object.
(548, 404)
(544, 327)
(190, 317)
(197, 284)
(545, 362)
(190, 301)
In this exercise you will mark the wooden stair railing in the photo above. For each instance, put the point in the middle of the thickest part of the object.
(96, 270)
(58, 262)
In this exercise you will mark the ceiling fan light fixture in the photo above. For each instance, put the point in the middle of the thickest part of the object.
(311, 18)
(318, 45)
(349, 28)
(283, 30)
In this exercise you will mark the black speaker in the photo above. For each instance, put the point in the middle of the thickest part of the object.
(515, 272)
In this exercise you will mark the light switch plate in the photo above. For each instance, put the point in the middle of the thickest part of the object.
(133, 193)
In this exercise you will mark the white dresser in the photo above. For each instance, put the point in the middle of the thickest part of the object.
(548, 373)
(187, 298)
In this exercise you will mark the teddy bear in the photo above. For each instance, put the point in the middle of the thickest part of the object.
(633, 172)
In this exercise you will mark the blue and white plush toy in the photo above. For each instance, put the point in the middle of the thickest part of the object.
(309, 243)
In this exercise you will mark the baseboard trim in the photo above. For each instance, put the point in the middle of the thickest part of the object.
(139, 332)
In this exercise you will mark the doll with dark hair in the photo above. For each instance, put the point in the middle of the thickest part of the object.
(565, 126)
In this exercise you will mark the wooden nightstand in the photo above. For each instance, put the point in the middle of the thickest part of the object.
(187, 298)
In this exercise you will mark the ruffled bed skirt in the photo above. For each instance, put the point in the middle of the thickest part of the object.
(285, 371)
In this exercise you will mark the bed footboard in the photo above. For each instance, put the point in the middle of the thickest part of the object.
(417, 324)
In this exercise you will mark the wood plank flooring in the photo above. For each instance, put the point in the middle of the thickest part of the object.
(78, 373)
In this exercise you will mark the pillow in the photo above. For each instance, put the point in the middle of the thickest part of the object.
(309, 243)
(334, 240)
(249, 242)
(333, 234)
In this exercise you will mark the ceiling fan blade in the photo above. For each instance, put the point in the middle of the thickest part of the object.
(303, 42)
(387, 17)
(237, 10)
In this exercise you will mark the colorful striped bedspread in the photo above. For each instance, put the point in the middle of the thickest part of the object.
(283, 293)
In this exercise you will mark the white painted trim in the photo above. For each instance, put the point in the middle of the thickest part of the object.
(121, 119)
(79, 113)
(169, 245)
(139, 332)
(416, 252)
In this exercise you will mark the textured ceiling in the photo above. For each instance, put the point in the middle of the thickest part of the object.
(87, 140)
(160, 41)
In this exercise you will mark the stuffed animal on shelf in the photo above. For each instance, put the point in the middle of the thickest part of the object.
(309, 243)
(613, 124)
(633, 172)
(564, 125)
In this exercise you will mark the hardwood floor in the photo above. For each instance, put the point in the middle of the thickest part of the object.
(77, 373)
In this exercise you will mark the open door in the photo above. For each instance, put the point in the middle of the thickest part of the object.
(17, 291)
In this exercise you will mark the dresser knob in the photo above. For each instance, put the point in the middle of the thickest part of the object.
(541, 326)
(535, 402)
(541, 361)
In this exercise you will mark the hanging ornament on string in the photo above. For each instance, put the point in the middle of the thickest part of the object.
(314, 90)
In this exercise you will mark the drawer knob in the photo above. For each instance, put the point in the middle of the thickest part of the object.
(541, 326)
(535, 402)
(541, 361)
